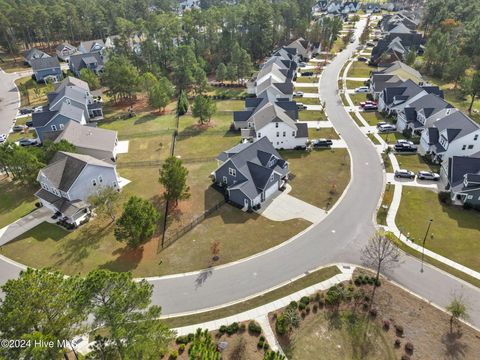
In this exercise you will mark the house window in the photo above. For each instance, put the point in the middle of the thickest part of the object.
(272, 177)
(94, 182)
(259, 135)
(469, 197)
(68, 101)
(475, 137)
(232, 172)
(54, 127)
(249, 125)
(464, 147)
(224, 180)
(61, 126)
(284, 133)
(100, 178)
(278, 134)
(276, 125)
(293, 133)
(470, 147)
(114, 183)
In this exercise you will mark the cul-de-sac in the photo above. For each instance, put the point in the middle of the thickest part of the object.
(239, 179)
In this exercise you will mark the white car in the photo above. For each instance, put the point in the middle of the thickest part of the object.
(298, 93)
(362, 89)
(387, 128)
(3, 138)
(428, 175)
(404, 142)
(38, 109)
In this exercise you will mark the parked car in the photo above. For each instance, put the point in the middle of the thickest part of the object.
(25, 111)
(302, 65)
(370, 43)
(29, 123)
(359, 47)
(3, 138)
(406, 174)
(298, 94)
(381, 123)
(38, 109)
(18, 128)
(307, 73)
(368, 102)
(301, 106)
(370, 107)
(362, 89)
(97, 99)
(428, 175)
(387, 128)
(319, 143)
(27, 142)
(362, 59)
(405, 148)
(300, 147)
(404, 141)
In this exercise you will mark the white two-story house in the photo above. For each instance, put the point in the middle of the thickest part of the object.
(69, 180)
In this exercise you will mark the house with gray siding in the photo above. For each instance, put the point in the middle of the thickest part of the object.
(91, 46)
(69, 180)
(250, 173)
(464, 179)
(32, 54)
(45, 69)
(93, 61)
(65, 50)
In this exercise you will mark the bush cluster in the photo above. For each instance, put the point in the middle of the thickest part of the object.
(254, 328)
(185, 339)
(365, 279)
(230, 329)
(281, 325)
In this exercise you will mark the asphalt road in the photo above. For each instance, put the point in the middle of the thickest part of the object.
(8, 101)
(338, 238)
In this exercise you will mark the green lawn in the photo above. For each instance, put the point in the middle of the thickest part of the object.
(352, 84)
(373, 139)
(36, 93)
(356, 119)
(310, 89)
(359, 69)
(16, 201)
(311, 115)
(10, 64)
(415, 162)
(307, 79)
(357, 98)
(373, 117)
(309, 101)
(455, 231)
(343, 98)
(391, 138)
(328, 171)
(386, 201)
(338, 45)
(321, 133)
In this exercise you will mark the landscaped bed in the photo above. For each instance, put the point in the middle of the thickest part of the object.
(399, 325)
(455, 230)
(311, 115)
(328, 180)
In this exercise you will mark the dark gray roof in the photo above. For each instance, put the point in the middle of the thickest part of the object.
(42, 118)
(302, 130)
(460, 167)
(241, 115)
(45, 63)
(406, 90)
(34, 53)
(381, 81)
(457, 125)
(65, 206)
(252, 161)
(78, 60)
(87, 45)
(65, 45)
(429, 104)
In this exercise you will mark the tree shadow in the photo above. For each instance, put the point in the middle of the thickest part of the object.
(202, 277)
(127, 260)
(145, 118)
(454, 348)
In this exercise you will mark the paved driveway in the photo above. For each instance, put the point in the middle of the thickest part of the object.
(285, 207)
(28, 222)
(426, 184)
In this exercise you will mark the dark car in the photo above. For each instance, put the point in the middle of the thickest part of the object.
(362, 59)
(29, 123)
(26, 111)
(319, 143)
(307, 73)
(405, 148)
(18, 128)
(370, 107)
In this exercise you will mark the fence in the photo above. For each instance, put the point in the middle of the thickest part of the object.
(170, 239)
(158, 163)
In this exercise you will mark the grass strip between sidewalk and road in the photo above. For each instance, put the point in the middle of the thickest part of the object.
(438, 264)
(313, 278)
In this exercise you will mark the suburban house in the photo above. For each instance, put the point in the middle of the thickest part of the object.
(91, 46)
(69, 180)
(303, 48)
(275, 120)
(251, 173)
(422, 113)
(453, 135)
(32, 54)
(463, 176)
(98, 143)
(45, 69)
(71, 101)
(65, 50)
(379, 82)
(92, 61)
(134, 42)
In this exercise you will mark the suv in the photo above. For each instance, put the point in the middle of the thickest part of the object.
(298, 94)
(361, 89)
(387, 128)
(301, 106)
(322, 143)
(370, 107)
(406, 174)
(428, 175)
(405, 148)
(404, 141)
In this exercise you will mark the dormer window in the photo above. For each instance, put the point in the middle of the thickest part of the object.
(464, 147)
(276, 124)
(94, 182)
(259, 135)
(272, 177)
(232, 172)
(61, 126)
(475, 138)
(54, 127)
(100, 178)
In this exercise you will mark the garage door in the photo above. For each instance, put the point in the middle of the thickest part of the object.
(269, 191)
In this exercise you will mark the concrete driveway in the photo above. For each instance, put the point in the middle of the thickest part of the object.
(285, 207)
(26, 223)
(426, 184)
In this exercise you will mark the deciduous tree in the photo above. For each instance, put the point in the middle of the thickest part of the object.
(105, 201)
(90, 78)
(203, 108)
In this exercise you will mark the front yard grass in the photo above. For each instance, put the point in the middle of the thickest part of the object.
(455, 231)
(307, 79)
(11, 64)
(359, 69)
(391, 138)
(415, 163)
(36, 94)
(320, 176)
(352, 84)
(357, 98)
(16, 201)
(309, 101)
(373, 117)
(307, 89)
(323, 133)
(312, 115)
(386, 201)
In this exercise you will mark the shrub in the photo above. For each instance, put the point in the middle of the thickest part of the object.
(254, 328)
(365, 280)
(305, 300)
(307, 309)
(317, 296)
(301, 306)
(321, 303)
(373, 312)
(181, 348)
(182, 340)
(371, 280)
(260, 344)
(315, 308)
(303, 314)
(399, 330)
(265, 346)
(281, 325)
(223, 329)
(190, 337)
(242, 328)
(405, 357)
(397, 343)
(293, 304)
(173, 354)
(378, 282)
(386, 325)
(444, 197)
(409, 347)
(261, 338)
(232, 328)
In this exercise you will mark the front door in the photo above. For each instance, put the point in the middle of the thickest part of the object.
(246, 203)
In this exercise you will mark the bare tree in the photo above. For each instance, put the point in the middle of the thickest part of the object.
(380, 254)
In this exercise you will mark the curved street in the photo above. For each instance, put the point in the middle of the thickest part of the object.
(338, 238)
